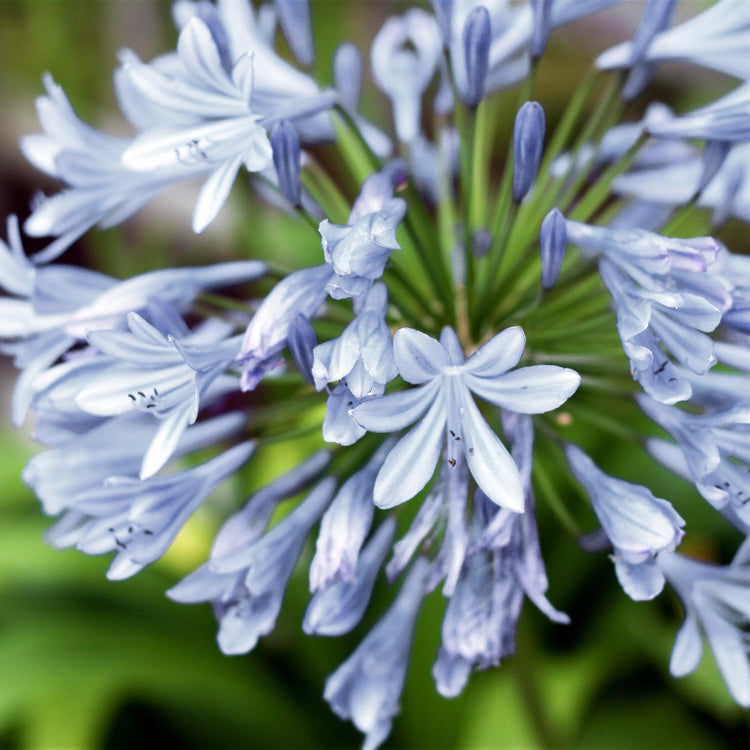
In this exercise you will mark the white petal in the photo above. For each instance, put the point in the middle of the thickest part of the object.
(499, 354)
(687, 649)
(411, 462)
(529, 390)
(488, 459)
(165, 440)
(419, 357)
(214, 193)
(396, 410)
(726, 642)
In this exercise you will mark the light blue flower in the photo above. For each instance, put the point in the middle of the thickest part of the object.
(279, 89)
(717, 604)
(143, 369)
(503, 565)
(239, 532)
(446, 381)
(404, 58)
(345, 526)
(726, 488)
(251, 578)
(101, 190)
(715, 449)
(139, 519)
(717, 38)
(367, 687)
(206, 115)
(338, 607)
(725, 119)
(300, 293)
(639, 525)
(115, 447)
(363, 354)
(358, 251)
(728, 193)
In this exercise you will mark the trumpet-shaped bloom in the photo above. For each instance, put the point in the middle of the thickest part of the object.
(339, 606)
(139, 519)
(717, 38)
(639, 525)
(359, 251)
(367, 687)
(716, 603)
(300, 293)
(363, 354)
(404, 59)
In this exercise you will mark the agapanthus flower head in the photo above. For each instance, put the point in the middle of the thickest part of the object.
(432, 327)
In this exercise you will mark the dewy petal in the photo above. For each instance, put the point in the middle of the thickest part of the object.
(412, 461)
(419, 357)
(530, 390)
(488, 459)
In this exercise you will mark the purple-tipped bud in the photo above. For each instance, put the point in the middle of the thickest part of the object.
(347, 75)
(443, 10)
(541, 14)
(552, 241)
(476, 40)
(285, 145)
(528, 144)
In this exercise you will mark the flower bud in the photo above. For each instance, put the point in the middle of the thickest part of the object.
(553, 238)
(285, 145)
(528, 144)
(476, 41)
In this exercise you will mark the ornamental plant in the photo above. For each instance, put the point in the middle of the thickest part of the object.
(480, 309)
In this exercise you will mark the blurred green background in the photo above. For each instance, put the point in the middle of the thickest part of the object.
(85, 663)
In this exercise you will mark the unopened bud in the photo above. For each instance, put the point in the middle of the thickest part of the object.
(552, 241)
(528, 144)
(285, 145)
(476, 40)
